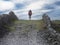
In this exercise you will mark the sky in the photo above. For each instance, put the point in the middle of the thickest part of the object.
(38, 7)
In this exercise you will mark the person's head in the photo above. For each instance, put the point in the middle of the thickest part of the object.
(30, 10)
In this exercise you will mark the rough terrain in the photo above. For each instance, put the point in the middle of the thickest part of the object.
(24, 34)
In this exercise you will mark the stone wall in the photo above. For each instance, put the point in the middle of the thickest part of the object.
(5, 21)
(46, 20)
(52, 37)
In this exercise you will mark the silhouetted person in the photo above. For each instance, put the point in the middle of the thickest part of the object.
(30, 13)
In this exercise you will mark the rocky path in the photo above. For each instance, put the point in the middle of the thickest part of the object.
(23, 36)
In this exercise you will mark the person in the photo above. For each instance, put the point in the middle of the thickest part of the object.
(30, 13)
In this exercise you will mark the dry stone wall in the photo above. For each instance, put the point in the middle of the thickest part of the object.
(5, 21)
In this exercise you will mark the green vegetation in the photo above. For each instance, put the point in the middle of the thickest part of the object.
(56, 21)
(37, 23)
(56, 25)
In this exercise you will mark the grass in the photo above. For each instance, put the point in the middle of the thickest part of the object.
(56, 25)
(38, 23)
(56, 21)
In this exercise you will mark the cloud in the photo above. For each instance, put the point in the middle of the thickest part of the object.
(55, 14)
(57, 3)
(6, 0)
(38, 7)
(50, 6)
(6, 5)
(17, 1)
(23, 1)
(19, 6)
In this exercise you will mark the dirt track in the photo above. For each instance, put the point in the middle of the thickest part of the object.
(23, 36)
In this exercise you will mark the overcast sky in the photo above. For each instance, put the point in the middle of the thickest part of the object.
(38, 7)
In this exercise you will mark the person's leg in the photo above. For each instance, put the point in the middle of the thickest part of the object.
(29, 17)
